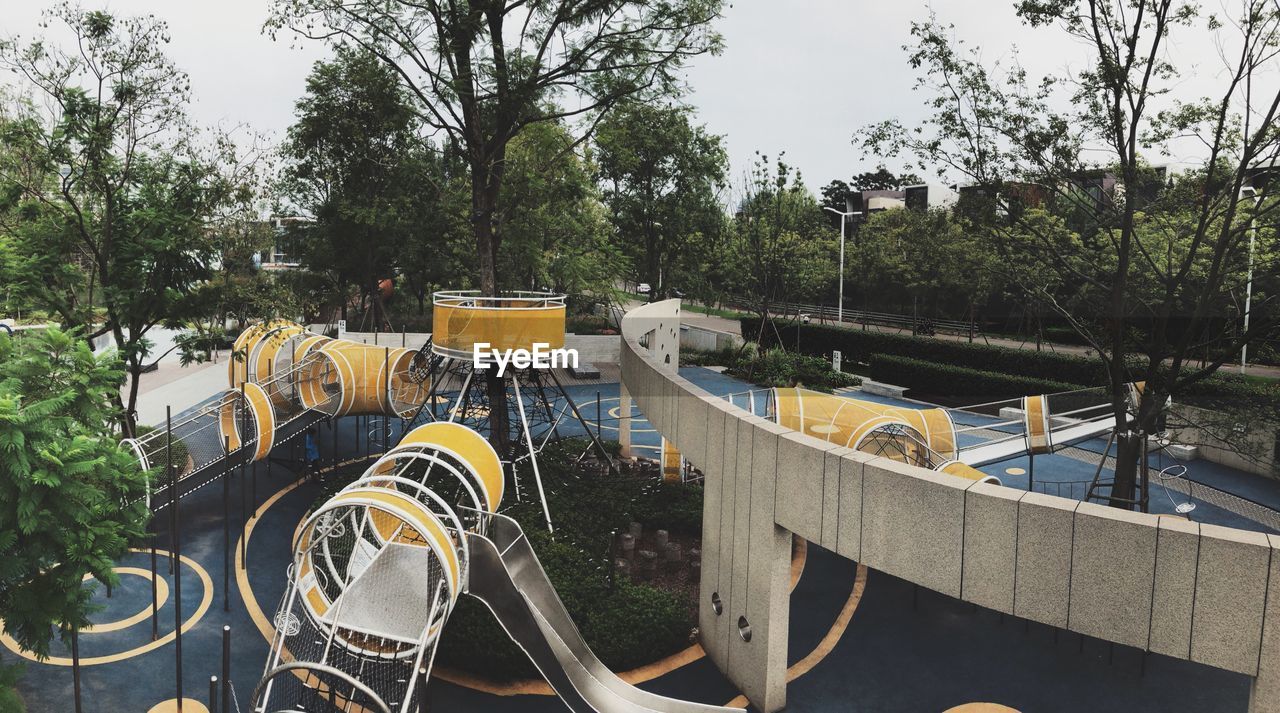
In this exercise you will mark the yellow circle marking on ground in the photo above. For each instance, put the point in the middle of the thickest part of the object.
(615, 413)
(1015, 471)
(981, 708)
(189, 705)
(162, 596)
(824, 428)
(191, 621)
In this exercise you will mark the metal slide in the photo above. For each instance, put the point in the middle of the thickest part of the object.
(1010, 448)
(507, 577)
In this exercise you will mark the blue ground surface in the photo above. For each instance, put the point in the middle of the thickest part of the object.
(905, 649)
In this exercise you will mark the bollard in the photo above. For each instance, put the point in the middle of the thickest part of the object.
(648, 562)
(661, 538)
(674, 552)
(622, 567)
(628, 545)
(636, 529)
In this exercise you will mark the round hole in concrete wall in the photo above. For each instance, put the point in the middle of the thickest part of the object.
(744, 629)
(717, 606)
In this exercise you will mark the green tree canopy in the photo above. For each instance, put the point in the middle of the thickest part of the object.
(112, 190)
(661, 176)
(65, 483)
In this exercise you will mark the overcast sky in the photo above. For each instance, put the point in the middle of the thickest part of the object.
(796, 75)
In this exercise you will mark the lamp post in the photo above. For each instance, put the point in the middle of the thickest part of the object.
(1249, 192)
(844, 221)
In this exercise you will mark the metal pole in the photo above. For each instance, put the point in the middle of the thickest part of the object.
(75, 665)
(213, 694)
(844, 220)
(537, 475)
(244, 430)
(176, 556)
(253, 488)
(386, 420)
(1248, 290)
(155, 610)
(226, 670)
(226, 527)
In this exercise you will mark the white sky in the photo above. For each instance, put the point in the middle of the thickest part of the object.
(796, 75)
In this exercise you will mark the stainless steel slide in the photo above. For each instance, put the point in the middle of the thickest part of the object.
(507, 577)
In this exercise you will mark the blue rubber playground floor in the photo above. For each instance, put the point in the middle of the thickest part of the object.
(859, 640)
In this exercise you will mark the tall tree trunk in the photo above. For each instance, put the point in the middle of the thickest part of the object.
(484, 199)
(1128, 457)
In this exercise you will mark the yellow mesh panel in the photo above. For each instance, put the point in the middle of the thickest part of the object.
(967, 472)
(468, 447)
(1036, 420)
(460, 328)
(844, 420)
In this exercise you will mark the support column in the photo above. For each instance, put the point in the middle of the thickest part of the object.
(624, 420)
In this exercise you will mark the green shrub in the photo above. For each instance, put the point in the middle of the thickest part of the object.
(624, 623)
(778, 367)
(775, 367)
(858, 345)
(10, 701)
(950, 380)
(589, 324)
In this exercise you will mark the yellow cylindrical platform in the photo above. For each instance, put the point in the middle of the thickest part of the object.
(514, 320)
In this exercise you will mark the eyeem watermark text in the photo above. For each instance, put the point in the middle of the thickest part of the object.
(542, 356)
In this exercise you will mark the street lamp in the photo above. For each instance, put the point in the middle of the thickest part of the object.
(1249, 192)
(844, 220)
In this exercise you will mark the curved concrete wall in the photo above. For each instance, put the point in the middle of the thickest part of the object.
(1200, 592)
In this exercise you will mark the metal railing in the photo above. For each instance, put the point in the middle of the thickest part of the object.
(823, 314)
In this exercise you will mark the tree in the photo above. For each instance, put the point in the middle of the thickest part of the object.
(558, 236)
(71, 499)
(661, 177)
(354, 158)
(781, 250)
(114, 188)
(926, 257)
(1151, 295)
(484, 72)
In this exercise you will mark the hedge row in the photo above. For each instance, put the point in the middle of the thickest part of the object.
(858, 345)
(951, 380)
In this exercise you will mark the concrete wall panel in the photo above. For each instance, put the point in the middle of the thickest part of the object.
(719, 474)
(1231, 590)
(1045, 526)
(1112, 568)
(830, 506)
(913, 524)
(849, 528)
(693, 410)
(1173, 598)
(801, 467)
(990, 545)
